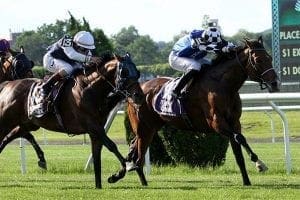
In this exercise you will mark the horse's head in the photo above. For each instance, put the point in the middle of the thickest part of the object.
(18, 66)
(121, 73)
(127, 79)
(259, 65)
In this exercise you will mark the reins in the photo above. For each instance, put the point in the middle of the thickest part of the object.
(263, 84)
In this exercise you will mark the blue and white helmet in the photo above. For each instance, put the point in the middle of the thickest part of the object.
(212, 35)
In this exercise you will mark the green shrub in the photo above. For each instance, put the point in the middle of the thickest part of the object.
(39, 72)
(194, 148)
(171, 146)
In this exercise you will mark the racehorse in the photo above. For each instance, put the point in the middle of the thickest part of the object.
(16, 66)
(212, 104)
(82, 105)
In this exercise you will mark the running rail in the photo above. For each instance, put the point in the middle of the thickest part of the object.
(267, 98)
(270, 98)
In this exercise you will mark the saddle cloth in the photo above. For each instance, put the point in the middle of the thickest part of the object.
(164, 103)
(37, 106)
(33, 100)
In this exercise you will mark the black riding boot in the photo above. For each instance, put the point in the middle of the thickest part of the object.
(183, 81)
(47, 86)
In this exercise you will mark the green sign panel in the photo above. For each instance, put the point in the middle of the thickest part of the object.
(289, 39)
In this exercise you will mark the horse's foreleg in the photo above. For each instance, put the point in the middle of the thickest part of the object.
(261, 167)
(112, 147)
(237, 151)
(96, 153)
(130, 163)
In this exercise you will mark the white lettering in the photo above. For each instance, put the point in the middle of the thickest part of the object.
(289, 35)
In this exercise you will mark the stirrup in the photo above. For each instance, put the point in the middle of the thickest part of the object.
(39, 110)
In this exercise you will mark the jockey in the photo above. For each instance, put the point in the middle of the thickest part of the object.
(65, 55)
(4, 49)
(191, 51)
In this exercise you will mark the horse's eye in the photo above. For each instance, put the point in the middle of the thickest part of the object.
(124, 73)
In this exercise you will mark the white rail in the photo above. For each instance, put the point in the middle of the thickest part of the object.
(265, 98)
(270, 98)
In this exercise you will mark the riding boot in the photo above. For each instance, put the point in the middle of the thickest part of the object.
(183, 81)
(48, 85)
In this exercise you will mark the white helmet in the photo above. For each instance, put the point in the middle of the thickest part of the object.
(212, 35)
(84, 39)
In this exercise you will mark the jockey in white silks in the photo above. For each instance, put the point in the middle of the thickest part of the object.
(63, 57)
(191, 51)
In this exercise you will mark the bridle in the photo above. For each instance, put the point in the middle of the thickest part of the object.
(250, 63)
(12, 69)
(123, 91)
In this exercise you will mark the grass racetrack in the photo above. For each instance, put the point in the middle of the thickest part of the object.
(66, 178)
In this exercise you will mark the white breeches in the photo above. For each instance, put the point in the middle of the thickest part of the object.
(185, 64)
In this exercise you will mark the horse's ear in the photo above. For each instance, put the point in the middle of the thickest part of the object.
(22, 49)
(260, 40)
(118, 57)
(246, 41)
(32, 64)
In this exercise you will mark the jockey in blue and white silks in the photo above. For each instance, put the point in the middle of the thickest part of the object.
(191, 51)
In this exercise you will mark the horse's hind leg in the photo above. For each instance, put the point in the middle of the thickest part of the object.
(261, 167)
(39, 152)
(18, 132)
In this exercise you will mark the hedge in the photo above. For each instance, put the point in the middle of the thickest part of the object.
(173, 146)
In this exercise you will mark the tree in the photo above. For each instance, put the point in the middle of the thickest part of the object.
(36, 42)
(34, 45)
(102, 43)
(123, 38)
(144, 50)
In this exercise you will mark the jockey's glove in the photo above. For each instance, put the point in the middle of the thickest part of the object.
(196, 42)
(229, 48)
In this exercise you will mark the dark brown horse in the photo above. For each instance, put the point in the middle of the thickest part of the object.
(212, 104)
(83, 104)
(18, 66)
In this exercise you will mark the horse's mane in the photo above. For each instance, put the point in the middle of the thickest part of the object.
(101, 59)
(220, 65)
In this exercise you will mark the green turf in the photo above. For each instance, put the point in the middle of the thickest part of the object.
(66, 179)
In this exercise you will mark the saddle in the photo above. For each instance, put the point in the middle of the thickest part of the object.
(39, 106)
(164, 103)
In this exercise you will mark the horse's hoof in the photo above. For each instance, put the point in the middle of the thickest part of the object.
(111, 179)
(260, 166)
(131, 166)
(42, 165)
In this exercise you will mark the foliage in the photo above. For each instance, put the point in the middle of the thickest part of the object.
(39, 72)
(162, 69)
(36, 42)
(193, 148)
(176, 146)
(144, 50)
(34, 45)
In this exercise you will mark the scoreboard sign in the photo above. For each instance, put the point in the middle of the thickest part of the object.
(289, 40)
